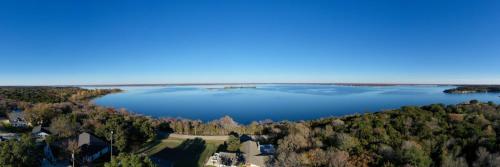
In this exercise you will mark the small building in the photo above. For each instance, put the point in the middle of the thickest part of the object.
(40, 133)
(256, 155)
(91, 147)
(16, 119)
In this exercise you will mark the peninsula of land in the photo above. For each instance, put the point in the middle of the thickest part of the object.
(474, 89)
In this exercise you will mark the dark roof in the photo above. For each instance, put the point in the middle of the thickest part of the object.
(90, 144)
(267, 149)
(39, 128)
(245, 138)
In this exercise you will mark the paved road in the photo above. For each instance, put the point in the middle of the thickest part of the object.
(220, 138)
(164, 137)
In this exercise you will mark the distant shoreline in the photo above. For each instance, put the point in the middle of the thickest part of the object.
(474, 89)
(263, 83)
(289, 83)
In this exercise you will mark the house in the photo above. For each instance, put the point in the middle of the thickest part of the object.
(252, 155)
(223, 159)
(91, 147)
(40, 132)
(256, 155)
(49, 156)
(16, 119)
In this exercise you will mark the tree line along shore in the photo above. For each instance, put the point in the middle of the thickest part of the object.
(474, 89)
(466, 134)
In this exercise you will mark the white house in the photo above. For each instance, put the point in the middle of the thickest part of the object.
(222, 159)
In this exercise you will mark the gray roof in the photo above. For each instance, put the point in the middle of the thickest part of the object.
(16, 116)
(39, 128)
(252, 153)
(227, 154)
(249, 147)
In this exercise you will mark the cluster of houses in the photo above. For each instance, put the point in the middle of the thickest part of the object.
(252, 154)
(90, 148)
(14, 119)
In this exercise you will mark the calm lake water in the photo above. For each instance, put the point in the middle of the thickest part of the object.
(277, 102)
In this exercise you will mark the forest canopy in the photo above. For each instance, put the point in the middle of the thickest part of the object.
(51, 94)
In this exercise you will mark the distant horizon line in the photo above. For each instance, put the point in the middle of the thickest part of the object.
(245, 83)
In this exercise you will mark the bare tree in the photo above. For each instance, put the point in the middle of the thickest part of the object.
(337, 158)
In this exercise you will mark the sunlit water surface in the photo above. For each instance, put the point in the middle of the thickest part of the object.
(277, 102)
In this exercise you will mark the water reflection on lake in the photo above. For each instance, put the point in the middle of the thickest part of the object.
(277, 101)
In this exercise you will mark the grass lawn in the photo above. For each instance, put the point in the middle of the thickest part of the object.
(182, 152)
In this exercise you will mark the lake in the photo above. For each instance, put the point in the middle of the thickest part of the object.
(277, 101)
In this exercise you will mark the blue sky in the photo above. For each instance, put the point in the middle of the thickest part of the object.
(110, 42)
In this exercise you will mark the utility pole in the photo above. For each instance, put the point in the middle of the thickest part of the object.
(73, 157)
(111, 145)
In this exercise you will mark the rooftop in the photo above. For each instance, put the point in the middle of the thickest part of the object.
(39, 128)
(89, 139)
(252, 154)
(16, 116)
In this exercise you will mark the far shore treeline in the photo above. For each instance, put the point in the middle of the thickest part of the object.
(474, 89)
(466, 134)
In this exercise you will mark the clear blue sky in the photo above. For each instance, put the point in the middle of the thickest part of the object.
(108, 42)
